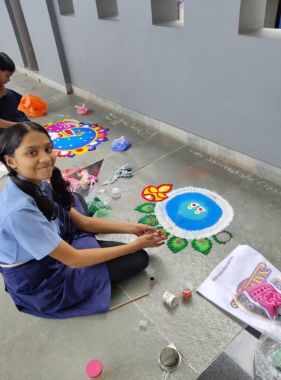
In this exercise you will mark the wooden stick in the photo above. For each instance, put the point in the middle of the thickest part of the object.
(128, 301)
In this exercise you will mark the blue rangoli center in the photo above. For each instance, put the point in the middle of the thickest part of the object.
(75, 138)
(193, 211)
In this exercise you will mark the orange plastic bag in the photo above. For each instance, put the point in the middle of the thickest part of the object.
(32, 105)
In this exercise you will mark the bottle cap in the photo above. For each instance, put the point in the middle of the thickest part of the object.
(94, 368)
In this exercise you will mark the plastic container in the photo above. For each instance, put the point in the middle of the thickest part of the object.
(170, 299)
(151, 281)
(94, 370)
(267, 361)
(186, 294)
(169, 360)
(83, 110)
(96, 205)
(115, 193)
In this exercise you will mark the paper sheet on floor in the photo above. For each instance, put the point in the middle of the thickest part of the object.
(244, 268)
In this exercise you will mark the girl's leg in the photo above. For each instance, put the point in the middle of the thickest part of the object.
(126, 266)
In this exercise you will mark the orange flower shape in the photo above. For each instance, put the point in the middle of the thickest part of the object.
(156, 193)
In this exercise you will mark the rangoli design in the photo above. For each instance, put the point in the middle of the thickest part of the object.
(156, 193)
(191, 216)
(258, 295)
(263, 299)
(71, 137)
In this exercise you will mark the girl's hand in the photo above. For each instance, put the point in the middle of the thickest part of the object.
(150, 240)
(141, 229)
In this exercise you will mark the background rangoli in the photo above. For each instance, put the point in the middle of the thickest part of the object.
(71, 137)
(190, 216)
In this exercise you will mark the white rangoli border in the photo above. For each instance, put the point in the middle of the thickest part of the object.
(171, 227)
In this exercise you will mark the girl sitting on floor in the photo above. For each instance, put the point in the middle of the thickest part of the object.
(9, 99)
(51, 262)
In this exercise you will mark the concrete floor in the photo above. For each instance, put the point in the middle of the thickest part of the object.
(33, 348)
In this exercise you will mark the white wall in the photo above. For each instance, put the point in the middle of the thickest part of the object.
(42, 37)
(8, 41)
(204, 77)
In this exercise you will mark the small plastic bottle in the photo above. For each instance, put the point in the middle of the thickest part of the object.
(151, 281)
(267, 361)
(94, 370)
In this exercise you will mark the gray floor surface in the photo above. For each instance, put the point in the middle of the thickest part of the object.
(33, 348)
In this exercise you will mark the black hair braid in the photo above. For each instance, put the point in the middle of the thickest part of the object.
(45, 205)
(62, 193)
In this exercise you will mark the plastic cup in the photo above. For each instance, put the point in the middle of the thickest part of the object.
(94, 370)
(115, 193)
(170, 299)
(186, 294)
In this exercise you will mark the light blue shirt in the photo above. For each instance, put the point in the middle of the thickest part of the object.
(25, 233)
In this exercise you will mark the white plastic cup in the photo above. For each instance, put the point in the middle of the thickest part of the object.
(115, 193)
(186, 285)
(170, 299)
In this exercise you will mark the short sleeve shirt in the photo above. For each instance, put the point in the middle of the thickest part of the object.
(25, 233)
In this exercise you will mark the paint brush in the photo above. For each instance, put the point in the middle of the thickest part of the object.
(128, 301)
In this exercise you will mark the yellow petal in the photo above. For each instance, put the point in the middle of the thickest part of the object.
(153, 189)
(161, 195)
(164, 188)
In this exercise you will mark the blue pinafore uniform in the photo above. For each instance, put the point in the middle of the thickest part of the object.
(41, 285)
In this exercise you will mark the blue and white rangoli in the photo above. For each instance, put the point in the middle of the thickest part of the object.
(190, 214)
(71, 137)
(194, 213)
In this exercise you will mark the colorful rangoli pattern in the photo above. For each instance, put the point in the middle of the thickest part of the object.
(258, 295)
(203, 245)
(190, 217)
(223, 237)
(71, 137)
(177, 244)
(263, 299)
